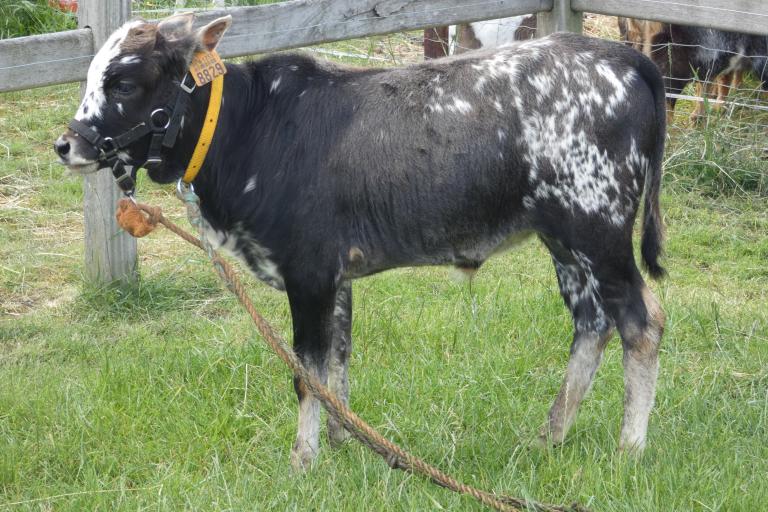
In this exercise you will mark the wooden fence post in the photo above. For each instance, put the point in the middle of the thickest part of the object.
(560, 19)
(110, 253)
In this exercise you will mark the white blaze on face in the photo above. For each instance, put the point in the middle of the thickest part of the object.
(94, 98)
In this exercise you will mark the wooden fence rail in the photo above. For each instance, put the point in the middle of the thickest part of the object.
(61, 57)
(64, 56)
(748, 16)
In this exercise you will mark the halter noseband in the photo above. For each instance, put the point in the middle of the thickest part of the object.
(164, 124)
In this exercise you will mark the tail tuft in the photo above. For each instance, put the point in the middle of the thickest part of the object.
(650, 246)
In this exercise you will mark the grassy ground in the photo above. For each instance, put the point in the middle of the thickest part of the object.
(159, 396)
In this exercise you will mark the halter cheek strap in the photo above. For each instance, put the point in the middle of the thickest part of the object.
(164, 124)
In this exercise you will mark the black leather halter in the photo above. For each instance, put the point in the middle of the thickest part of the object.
(164, 124)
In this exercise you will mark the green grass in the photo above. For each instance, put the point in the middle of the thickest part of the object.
(727, 152)
(28, 17)
(160, 396)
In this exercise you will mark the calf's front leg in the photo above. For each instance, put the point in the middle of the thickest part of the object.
(312, 315)
(338, 361)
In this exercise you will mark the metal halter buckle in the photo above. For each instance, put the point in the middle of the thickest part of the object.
(160, 118)
(185, 88)
(107, 147)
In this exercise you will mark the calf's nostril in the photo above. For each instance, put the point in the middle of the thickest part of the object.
(61, 146)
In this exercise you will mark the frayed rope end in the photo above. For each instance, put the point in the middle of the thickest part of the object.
(133, 220)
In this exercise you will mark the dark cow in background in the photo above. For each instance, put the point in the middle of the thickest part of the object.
(320, 174)
(717, 59)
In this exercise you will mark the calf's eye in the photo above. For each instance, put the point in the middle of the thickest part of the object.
(125, 87)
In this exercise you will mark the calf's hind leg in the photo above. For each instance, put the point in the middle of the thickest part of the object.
(641, 325)
(591, 334)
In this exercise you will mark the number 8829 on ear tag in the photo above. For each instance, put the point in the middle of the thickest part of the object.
(206, 66)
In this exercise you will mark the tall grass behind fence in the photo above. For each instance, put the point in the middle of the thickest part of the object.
(723, 149)
(28, 17)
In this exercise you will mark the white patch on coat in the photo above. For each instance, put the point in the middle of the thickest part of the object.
(275, 84)
(586, 176)
(543, 84)
(459, 106)
(579, 285)
(638, 166)
(568, 164)
(94, 98)
(250, 185)
(256, 259)
(504, 64)
(619, 94)
(129, 59)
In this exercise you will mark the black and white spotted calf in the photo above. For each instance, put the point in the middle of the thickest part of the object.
(320, 174)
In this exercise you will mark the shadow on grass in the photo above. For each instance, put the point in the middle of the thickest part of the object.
(147, 298)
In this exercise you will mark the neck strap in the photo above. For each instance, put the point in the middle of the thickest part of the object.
(206, 134)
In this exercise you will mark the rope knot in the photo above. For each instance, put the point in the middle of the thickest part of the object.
(133, 219)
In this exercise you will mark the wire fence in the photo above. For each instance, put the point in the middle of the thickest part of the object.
(717, 104)
(719, 124)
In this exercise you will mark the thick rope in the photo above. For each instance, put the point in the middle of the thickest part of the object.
(395, 456)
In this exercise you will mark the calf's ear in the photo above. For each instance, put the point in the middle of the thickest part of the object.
(140, 39)
(177, 26)
(208, 37)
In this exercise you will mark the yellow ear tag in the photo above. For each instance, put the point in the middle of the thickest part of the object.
(206, 66)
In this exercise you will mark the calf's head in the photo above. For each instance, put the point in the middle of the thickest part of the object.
(132, 81)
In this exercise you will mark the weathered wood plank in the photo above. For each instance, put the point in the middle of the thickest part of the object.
(257, 29)
(110, 253)
(45, 59)
(562, 18)
(748, 16)
(300, 23)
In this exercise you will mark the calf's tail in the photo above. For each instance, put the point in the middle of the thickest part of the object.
(651, 245)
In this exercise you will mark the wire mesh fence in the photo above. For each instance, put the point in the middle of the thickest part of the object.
(717, 102)
(718, 116)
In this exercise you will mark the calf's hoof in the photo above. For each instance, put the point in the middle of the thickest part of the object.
(633, 448)
(302, 457)
(548, 437)
(337, 434)
(337, 437)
